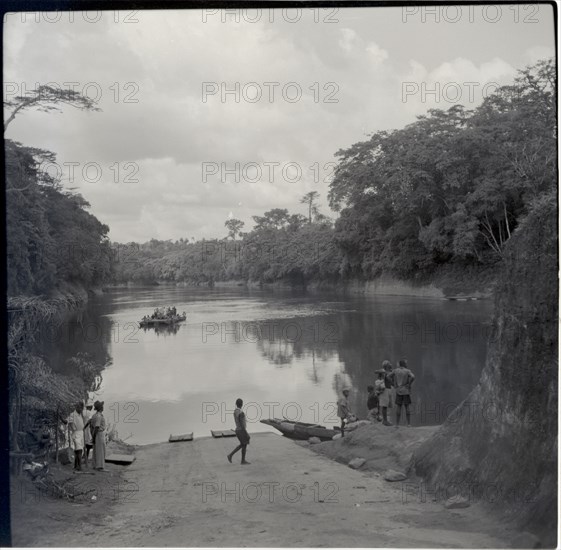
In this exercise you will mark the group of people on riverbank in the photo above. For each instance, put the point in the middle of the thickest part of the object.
(392, 386)
(87, 433)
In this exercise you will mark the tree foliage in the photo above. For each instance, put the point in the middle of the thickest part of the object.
(281, 246)
(452, 186)
(234, 227)
(46, 98)
(311, 200)
(51, 237)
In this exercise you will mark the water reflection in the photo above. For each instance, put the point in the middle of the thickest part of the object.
(292, 339)
(84, 332)
(163, 330)
(284, 353)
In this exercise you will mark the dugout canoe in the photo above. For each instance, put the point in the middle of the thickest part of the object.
(301, 430)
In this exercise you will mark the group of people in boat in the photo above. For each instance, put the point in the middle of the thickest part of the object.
(162, 313)
(392, 386)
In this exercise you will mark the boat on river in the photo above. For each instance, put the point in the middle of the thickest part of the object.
(301, 430)
(162, 320)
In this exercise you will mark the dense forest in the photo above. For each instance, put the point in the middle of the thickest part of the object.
(56, 251)
(52, 240)
(446, 191)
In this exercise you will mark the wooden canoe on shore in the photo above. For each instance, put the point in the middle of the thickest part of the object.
(223, 433)
(301, 430)
(182, 437)
(120, 459)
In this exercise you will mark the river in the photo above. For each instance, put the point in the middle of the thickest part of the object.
(286, 353)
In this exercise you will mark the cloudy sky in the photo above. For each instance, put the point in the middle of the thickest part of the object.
(209, 115)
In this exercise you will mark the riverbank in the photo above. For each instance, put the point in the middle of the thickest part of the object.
(382, 447)
(188, 494)
(473, 284)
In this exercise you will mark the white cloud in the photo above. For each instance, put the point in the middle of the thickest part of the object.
(531, 55)
(347, 40)
(459, 81)
(377, 54)
(151, 73)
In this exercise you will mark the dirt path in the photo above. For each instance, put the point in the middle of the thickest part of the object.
(187, 494)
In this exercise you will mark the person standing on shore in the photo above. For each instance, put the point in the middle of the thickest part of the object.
(383, 396)
(241, 432)
(76, 427)
(388, 380)
(343, 409)
(97, 424)
(88, 443)
(402, 379)
(384, 386)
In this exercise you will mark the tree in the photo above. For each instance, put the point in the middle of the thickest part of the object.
(311, 200)
(296, 221)
(234, 227)
(46, 98)
(277, 218)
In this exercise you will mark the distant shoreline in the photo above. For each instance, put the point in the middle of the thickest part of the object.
(382, 286)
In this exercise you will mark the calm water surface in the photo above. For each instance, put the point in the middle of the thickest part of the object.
(285, 353)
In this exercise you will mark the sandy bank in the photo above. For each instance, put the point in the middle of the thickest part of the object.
(187, 494)
(382, 447)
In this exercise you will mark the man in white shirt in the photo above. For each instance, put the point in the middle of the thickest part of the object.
(76, 426)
